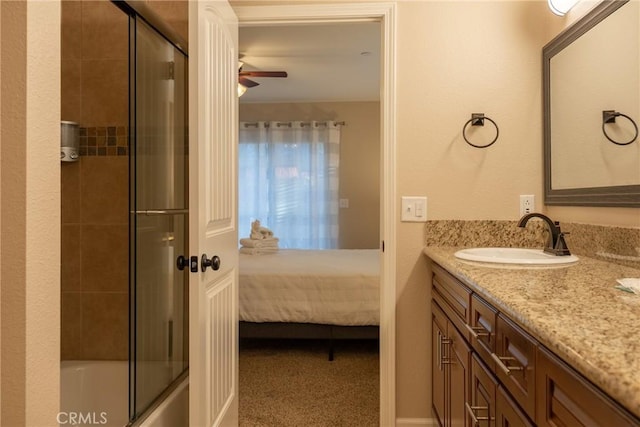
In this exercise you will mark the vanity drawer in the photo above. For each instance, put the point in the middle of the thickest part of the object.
(456, 295)
(565, 398)
(482, 328)
(515, 356)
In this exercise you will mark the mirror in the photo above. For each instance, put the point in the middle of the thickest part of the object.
(591, 82)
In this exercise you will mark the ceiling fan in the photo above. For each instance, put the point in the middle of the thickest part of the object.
(244, 82)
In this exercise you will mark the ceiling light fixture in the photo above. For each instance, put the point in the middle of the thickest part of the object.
(241, 89)
(561, 7)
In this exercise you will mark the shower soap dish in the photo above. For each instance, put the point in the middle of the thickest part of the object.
(629, 284)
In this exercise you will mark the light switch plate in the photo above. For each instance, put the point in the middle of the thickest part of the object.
(414, 209)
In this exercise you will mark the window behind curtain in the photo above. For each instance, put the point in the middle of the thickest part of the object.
(288, 179)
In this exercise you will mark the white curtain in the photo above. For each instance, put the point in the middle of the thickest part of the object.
(288, 179)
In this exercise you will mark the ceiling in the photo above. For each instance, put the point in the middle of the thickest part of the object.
(335, 62)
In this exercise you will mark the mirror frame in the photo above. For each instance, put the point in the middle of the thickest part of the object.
(621, 196)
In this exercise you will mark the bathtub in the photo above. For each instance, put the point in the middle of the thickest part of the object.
(97, 393)
(94, 393)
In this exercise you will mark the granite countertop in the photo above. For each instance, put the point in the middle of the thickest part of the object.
(575, 311)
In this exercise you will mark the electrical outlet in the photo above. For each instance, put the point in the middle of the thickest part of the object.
(527, 204)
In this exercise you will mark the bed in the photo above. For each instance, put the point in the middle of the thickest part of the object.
(321, 294)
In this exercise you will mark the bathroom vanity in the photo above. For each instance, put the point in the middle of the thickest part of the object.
(541, 346)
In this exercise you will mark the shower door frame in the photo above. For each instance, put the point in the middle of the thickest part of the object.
(137, 10)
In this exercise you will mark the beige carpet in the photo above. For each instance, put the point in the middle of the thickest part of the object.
(291, 383)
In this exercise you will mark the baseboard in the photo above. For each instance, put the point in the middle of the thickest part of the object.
(413, 422)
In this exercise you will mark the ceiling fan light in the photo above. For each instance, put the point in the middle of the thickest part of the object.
(561, 7)
(241, 89)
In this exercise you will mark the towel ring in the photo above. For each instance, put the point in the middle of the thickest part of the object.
(609, 116)
(477, 119)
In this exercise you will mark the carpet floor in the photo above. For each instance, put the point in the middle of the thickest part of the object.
(291, 383)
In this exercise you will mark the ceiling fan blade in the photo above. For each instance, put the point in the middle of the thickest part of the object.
(264, 73)
(246, 82)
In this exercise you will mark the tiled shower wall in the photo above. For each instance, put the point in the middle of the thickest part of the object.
(95, 190)
(94, 271)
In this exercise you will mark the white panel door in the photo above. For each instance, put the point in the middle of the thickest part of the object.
(213, 289)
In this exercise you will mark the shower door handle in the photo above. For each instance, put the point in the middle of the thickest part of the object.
(182, 262)
(214, 262)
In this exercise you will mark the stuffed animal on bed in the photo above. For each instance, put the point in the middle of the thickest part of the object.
(258, 232)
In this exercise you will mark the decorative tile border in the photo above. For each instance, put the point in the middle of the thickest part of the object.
(104, 141)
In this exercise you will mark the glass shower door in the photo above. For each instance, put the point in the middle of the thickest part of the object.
(159, 167)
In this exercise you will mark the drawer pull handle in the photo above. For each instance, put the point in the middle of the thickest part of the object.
(445, 360)
(502, 361)
(439, 351)
(477, 331)
(471, 410)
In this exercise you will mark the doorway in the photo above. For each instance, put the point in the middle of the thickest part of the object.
(385, 15)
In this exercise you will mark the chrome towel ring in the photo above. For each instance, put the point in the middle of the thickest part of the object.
(609, 116)
(477, 119)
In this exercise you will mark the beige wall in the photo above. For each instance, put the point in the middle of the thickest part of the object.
(456, 58)
(359, 160)
(30, 213)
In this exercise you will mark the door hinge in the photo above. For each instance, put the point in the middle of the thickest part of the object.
(382, 246)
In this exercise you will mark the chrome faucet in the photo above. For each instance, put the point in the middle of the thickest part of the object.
(556, 244)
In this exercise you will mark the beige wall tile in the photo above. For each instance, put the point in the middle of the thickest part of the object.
(104, 190)
(105, 258)
(105, 92)
(105, 326)
(70, 269)
(71, 326)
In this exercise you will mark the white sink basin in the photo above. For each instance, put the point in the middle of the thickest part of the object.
(520, 256)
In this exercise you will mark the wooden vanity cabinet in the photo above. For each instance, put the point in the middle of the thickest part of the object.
(488, 371)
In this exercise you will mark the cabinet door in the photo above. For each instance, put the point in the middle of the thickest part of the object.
(439, 388)
(516, 364)
(459, 359)
(508, 414)
(566, 399)
(481, 409)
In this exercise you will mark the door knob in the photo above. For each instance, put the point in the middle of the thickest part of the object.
(214, 262)
(182, 262)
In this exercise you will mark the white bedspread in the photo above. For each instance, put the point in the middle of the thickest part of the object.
(336, 287)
